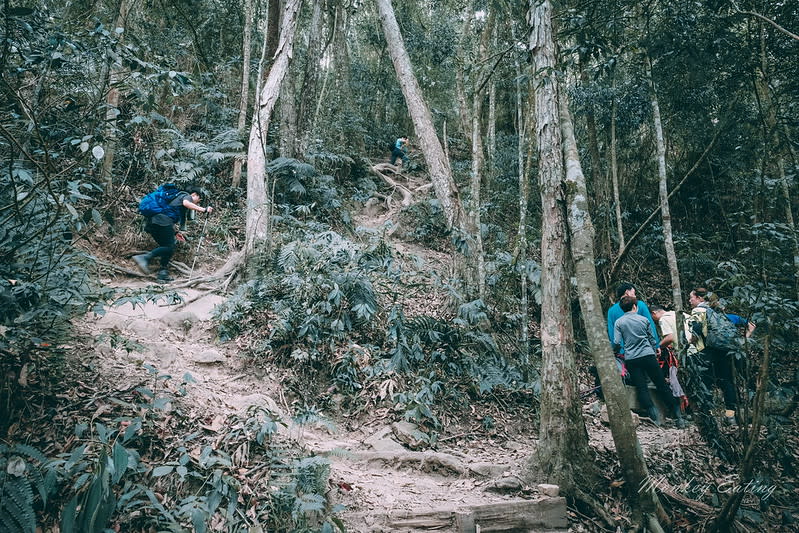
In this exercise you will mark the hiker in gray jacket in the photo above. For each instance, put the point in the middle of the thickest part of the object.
(640, 349)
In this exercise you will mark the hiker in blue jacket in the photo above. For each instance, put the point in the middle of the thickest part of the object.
(162, 228)
(636, 333)
(400, 150)
(615, 312)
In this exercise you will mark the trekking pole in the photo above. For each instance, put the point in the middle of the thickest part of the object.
(199, 243)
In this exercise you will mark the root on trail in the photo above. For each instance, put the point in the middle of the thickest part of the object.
(427, 461)
(381, 168)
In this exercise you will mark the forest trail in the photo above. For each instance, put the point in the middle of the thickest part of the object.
(382, 482)
(385, 476)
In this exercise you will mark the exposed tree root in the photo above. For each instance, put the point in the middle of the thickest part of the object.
(427, 461)
(380, 169)
(121, 269)
(221, 278)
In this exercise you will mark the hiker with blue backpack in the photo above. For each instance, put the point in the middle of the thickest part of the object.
(717, 343)
(162, 209)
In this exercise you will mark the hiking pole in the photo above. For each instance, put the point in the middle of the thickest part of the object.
(199, 243)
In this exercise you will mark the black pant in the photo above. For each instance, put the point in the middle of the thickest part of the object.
(647, 366)
(719, 371)
(398, 153)
(165, 237)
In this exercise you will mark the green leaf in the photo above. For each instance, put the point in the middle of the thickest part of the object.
(68, 516)
(160, 471)
(120, 462)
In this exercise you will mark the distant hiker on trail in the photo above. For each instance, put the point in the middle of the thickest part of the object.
(635, 332)
(615, 312)
(400, 150)
(162, 209)
(714, 337)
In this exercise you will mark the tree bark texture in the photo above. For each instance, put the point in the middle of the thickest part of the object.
(581, 231)
(663, 194)
(437, 163)
(258, 212)
(524, 198)
(310, 80)
(563, 445)
(614, 171)
(244, 98)
(112, 104)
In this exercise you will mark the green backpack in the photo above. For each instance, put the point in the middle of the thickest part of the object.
(721, 333)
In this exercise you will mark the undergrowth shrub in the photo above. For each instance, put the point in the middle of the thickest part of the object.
(330, 309)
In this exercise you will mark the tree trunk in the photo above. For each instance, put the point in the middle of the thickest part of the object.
(112, 105)
(288, 117)
(524, 198)
(663, 194)
(641, 494)
(563, 446)
(437, 163)
(614, 170)
(258, 212)
(310, 79)
(245, 85)
(769, 113)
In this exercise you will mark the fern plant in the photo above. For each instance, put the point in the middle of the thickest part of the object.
(25, 476)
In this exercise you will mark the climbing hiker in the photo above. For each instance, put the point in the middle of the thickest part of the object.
(633, 330)
(714, 337)
(400, 150)
(162, 209)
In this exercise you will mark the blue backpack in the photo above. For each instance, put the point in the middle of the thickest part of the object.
(157, 202)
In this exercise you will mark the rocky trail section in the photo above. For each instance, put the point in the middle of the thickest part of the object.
(382, 482)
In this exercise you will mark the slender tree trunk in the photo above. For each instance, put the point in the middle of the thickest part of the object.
(288, 117)
(640, 492)
(112, 104)
(310, 79)
(245, 84)
(437, 164)
(769, 112)
(524, 199)
(258, 203)
(614, 170)
(476, 253)
(563, 446)
(492, 117)
(663, 193)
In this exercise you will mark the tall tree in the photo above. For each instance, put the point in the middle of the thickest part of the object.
(258, 207)
(641, 492)
(244, 95)
(115, 74)
(563, 446)
(663, 192)
(437, 162)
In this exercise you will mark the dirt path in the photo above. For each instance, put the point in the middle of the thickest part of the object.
(383, 483)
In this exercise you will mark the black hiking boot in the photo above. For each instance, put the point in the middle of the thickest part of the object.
(163, 276)
(142, 261)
